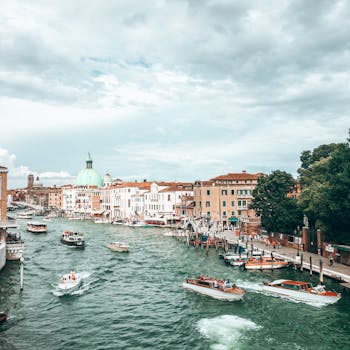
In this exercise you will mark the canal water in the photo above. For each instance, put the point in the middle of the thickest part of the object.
(135, 300)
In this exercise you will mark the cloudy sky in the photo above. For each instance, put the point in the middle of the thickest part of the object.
(170, 90)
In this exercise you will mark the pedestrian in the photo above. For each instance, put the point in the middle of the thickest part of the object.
(330, 260)
(274, 244)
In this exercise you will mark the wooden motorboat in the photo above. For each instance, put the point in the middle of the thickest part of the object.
(265, 263)
(218, 289)
(70, 282)
(73, 239)
(301, 291)
(36, 227)
(118, 246)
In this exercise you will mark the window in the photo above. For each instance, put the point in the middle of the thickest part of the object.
(208, 213)
(224, 192)
(239, 212)
(168, 197)
(207, 204)
(224, 213)
(232, 213)
(208, 192)
(232, 192)
(232, 203)
(224, 203)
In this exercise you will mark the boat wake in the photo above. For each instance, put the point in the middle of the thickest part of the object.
(226, 331)
(85, 286)
(252, 286)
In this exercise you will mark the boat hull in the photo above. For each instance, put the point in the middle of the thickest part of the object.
(301, 296)
(70, 286)
(78, 244)
(266, 266)
(214, 293)
(121, 249)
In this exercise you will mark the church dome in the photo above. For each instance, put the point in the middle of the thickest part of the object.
(107, 179)
(88, 176)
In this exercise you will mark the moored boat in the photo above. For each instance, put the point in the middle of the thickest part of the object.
(218, 289)
(36, 227)
(70, 282)
(118, 246)
(135, 223)
(14, 246)
(73, 239)
(265, 263)
(301, 291)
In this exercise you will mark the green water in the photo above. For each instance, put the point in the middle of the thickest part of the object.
(136, 301)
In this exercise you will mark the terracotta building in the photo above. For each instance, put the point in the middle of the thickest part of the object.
(226, 198)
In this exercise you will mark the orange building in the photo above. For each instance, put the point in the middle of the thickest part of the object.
(226, 198)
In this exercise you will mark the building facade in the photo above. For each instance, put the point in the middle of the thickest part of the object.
(226, 198)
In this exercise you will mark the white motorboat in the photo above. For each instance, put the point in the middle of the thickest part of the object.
(136, 224)
(118, 246)
(36, 227)
(70, 282)
(25, 215)
(301, 291)
(217, 289)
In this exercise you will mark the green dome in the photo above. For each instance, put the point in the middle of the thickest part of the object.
(88, 176)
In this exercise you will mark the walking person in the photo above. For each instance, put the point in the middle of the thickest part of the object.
(330, 260)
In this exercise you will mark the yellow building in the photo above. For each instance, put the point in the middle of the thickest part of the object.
(226, 198)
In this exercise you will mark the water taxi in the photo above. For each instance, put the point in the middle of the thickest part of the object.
(69, 282)
(73, 239)
(36, 227)
(14, 246)
(217, 289)
(301, 291)
(265, 263)
(24, 215)
(118, 246)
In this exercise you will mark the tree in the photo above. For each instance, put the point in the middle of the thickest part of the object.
(325, 196)
(278, 212)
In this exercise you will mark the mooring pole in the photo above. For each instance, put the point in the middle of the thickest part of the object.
(310, 265)
(301, 262)
(321, 271)
(21, 272)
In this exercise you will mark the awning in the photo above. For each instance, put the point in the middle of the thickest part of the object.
(233, 219)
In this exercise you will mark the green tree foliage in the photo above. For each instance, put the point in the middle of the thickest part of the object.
(278, 212)
(325, 197)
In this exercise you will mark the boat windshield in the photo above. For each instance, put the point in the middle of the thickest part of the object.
(319, 289)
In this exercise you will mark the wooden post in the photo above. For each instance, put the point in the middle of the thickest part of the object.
(310, 265)
(301, 262)
(321, 271)
(21, 272)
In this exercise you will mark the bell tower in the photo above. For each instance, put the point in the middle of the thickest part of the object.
(3, 194)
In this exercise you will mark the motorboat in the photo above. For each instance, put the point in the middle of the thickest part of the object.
(118, 246)
(25, 215)
(14, 246)
(73, 239)
(217, 289)
(36, 227)
(265, 263)
(3, 317)
(244, 256)
(301, 291)
(118, 222)
(70, 282)
(101, 221)
(135, 223)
